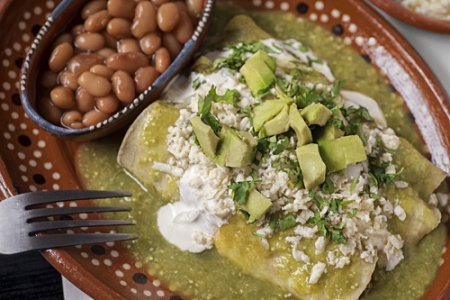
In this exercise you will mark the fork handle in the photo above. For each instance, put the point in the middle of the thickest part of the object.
(6, 184)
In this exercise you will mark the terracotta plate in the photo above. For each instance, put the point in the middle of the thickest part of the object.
(402, 13)
(38, 161)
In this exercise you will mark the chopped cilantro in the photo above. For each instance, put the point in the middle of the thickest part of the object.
(196, 83)
(352, 213)
(230, 97)
(287, 222)
(303, 48)
(353, 184)
(238, 55)
(241, 190)
(275, 222)
(378, 175)
(204, 110)
(260, 235)
(334, 232)
(328, 186)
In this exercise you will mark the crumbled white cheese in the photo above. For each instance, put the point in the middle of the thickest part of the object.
(390, 139)
(320, 245)
(168, 169)
(443, 199)
(400, 213)
(401, 184)
(316, 272)
(305, 231)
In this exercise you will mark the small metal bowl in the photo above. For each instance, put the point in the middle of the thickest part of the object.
(56, 24)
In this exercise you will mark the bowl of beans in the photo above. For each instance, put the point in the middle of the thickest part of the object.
(95, 65)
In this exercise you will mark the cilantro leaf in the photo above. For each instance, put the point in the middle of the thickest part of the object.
(204, 110)
(287, 222)
(238, 56)
(241, 190)
(230, 97)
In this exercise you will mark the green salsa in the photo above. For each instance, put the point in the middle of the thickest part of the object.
(211, 276)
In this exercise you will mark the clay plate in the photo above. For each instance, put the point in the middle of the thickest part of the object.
(402, 13)
(37, 161)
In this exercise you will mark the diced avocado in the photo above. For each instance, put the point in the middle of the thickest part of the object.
(257, 205)
(267, 111)
(206, 137)
(312, 165)
(248, 138)
(237, 149)
(329, 132)
(259, 72)
(202, 65)
(278, 125)
(299, 125)
(339, 153)
(316, 114)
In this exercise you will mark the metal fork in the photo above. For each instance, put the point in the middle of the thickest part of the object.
(21, 220)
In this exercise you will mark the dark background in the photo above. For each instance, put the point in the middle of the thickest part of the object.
(28, 276)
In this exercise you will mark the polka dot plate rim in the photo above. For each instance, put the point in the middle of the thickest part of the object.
(38, 161)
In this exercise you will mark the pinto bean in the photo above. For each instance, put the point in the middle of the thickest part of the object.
(128, 45)
(195, 7)
(121, 8)
(110, 41)
(97, 22)
(144, 78)
(108, 104)
(62, 97)
(49, 110)
(92, 7)
(83, 62)
(60, 56)
(171, 43)
(128, 62)
(159, 2)
(168, 16)
(150, 43)
(105, 52)
(71, 117)
(119, 28)
(69, 80)
(89, 41)
(77, 30)
(123, 86)
(184, 29)
(94, 117)
(85, 101)
(162, 60)
(63, 38)
(102, 70)
(145, 19)
(95, 85)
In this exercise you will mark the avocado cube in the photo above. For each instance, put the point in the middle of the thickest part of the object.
(259, 72)
(329, 132)
(279, 124)
(312, 165)
(236, 150)
(339, 153)
(267, 111)
(206, 137)
(316, 114)
(299, 125)
(257, 205)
